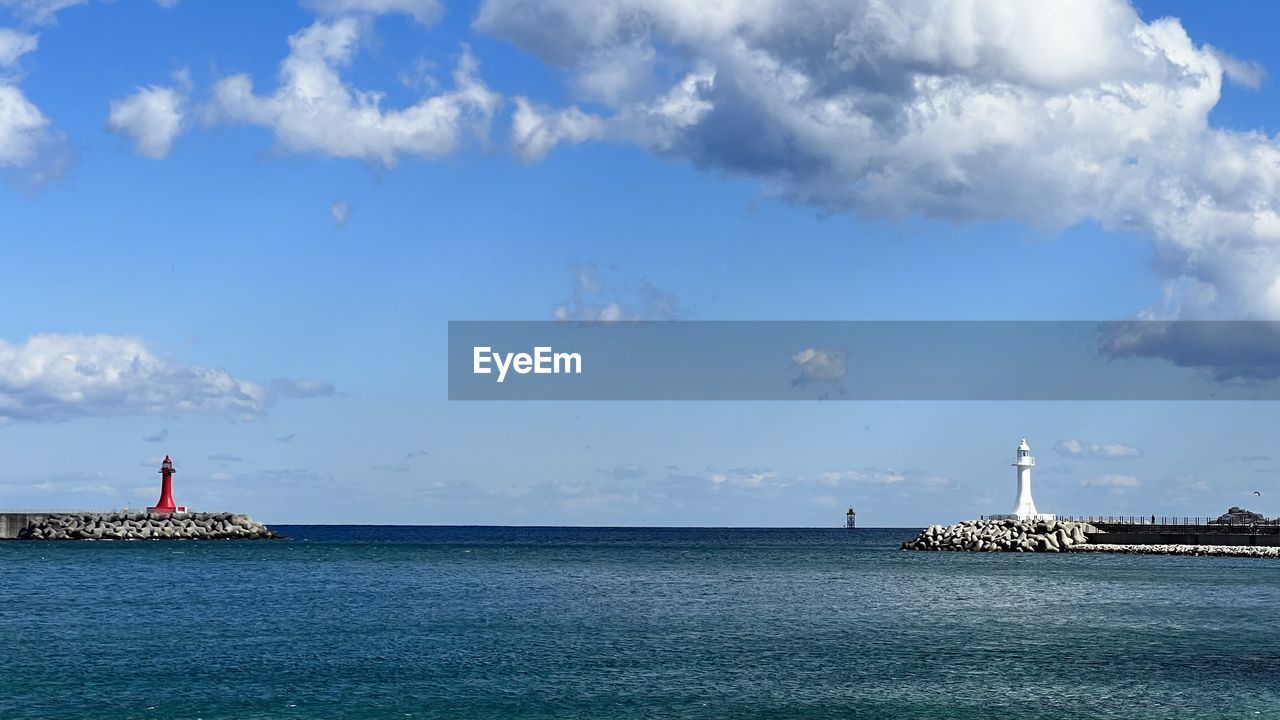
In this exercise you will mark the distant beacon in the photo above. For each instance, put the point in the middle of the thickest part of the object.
(1025, 507)
(166, 505)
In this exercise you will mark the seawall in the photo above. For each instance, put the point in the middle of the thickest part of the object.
(1185, 538)
(11, 523)
(1073, 536)
(131, 526)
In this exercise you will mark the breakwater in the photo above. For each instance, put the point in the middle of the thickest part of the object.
(1182, 549)
(1003, 536)
(1074, 536)
(142, 526)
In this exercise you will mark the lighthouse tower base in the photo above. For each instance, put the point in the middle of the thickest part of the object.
(1047, 517)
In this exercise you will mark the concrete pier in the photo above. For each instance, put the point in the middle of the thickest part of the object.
(1112, 537)
(11, 523)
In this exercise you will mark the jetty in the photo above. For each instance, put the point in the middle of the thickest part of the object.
(1159, 530)
(166, 520)
(1237, 532)
(131, 526)
(1061, 535)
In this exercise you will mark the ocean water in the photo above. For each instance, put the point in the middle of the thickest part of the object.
(383, 622)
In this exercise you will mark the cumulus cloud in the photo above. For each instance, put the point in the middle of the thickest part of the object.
(24, 130)
(29, 146)
(1052, 113)
(1224, 351)
(58, 377)
(426, 12)
(1075, 448)
(596, 298)
(152, 118)
(315, 110)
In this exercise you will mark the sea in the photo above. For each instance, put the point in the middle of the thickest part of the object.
(507, 623)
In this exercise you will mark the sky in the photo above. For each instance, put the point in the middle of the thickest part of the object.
(234, 233)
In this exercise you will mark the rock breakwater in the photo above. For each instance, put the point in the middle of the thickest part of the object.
(146, 526)
(1206, 550)
(1003, 536)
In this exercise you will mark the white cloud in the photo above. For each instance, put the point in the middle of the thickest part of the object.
(1114, 451)
(1052, 113)
(44, 12)
(534, 130)
(28, 145)
(1112, 481)
(58, 377)
(820, 365)
(883, 477)
(1075, 448)
(340, 211)
(1247, 73)
(24, 130)
(595, 298)
(152, 118)
(750, 478)
(40, 12)
(1070, 448)
(873, 476)
(426, 12)
(314, 110)
(15, 44)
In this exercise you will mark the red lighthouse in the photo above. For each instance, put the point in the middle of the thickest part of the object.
(165, 504)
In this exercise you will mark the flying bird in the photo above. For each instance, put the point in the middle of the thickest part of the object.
(1255, 492)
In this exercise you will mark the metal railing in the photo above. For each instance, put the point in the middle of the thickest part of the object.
(1171, 524)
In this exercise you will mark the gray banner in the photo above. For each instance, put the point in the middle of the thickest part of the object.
(864, 360)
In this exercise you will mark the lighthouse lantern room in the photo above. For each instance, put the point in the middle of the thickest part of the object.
(165, 504)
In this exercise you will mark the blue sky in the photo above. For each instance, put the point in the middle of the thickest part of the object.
(286, 270)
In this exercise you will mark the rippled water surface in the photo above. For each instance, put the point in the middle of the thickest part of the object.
(377, 622)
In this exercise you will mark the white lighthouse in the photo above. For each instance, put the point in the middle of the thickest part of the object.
(1025, 507)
